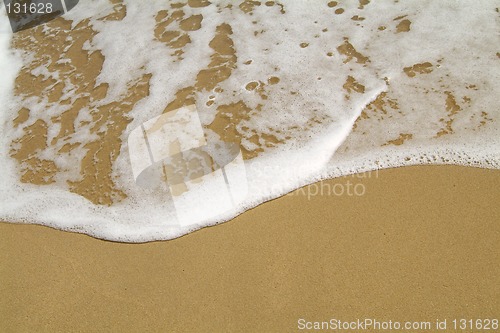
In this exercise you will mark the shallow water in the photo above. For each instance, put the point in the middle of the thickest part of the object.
(305, 91)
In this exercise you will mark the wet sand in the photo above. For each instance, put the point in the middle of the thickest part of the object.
(421, 244)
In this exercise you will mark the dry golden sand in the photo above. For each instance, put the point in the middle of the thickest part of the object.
(421, 244)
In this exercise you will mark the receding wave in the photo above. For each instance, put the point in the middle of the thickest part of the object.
(138, 121)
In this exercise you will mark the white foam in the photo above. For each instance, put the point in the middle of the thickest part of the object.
(9, 66)
(462, 51)
(450, 35)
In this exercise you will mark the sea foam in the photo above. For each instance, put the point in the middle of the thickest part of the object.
(308, 92)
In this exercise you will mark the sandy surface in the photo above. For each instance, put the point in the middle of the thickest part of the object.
(420, 245)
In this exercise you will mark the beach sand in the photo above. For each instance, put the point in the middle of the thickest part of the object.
(412, 244)
(421, 244)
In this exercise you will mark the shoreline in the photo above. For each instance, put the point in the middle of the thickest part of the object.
(419, 244)
(317, 187)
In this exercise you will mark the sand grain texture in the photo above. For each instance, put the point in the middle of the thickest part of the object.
(421, 244)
